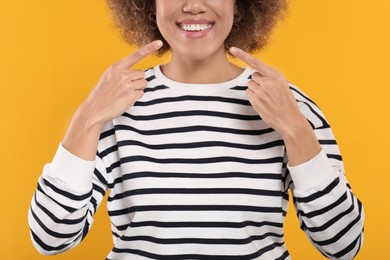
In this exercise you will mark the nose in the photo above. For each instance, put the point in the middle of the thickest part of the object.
(195, 6)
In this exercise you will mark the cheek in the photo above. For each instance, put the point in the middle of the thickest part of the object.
(227, 27)
(164, 25)
(164, 11)
(228, 18)
(160, 17)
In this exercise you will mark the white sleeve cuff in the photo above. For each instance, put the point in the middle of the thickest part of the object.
(313, 175)
(70, 172)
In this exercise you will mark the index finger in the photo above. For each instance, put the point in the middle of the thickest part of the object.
(140, 54)
(251, 61)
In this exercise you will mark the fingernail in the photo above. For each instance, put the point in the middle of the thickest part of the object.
(158, 44)
(233, 50)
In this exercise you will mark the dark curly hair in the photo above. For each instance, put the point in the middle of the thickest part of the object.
(253, 22)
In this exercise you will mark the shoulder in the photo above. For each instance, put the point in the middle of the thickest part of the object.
(309, 108)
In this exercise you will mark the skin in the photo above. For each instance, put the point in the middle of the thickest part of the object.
(201, 60)
(193, 60)
(270, 96)
(117, 90)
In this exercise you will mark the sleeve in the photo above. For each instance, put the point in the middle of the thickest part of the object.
(329, 212)
(63, 206)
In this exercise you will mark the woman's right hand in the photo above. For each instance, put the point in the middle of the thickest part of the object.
(119, 87)
(117, 90)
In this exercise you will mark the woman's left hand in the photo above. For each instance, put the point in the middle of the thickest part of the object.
(270, 96)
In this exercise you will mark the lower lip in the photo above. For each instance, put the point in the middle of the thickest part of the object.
(195, 35)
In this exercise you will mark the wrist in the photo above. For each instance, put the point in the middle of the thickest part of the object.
(295, 128)
(88, 118)
(301, 142)
(82, 136)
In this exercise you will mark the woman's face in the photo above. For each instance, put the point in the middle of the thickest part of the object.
(195, 29)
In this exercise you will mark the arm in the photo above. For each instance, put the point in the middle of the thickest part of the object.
(63, 207)
(73, 185)
(330, 214)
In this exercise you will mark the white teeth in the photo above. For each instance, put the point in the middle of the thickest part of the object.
(195, 27)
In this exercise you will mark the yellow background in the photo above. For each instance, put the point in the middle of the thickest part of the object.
(53, 52)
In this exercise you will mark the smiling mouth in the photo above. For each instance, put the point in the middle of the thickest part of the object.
(195, 27)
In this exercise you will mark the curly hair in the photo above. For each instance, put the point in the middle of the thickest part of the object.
(252, 26)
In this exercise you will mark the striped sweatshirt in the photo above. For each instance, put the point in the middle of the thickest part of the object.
(193, 172)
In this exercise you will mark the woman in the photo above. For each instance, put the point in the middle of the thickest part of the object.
(198, 153)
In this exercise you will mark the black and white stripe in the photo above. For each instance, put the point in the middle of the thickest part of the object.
(194, 173)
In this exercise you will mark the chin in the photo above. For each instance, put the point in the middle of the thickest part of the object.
(197, 53)
(197, 56)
